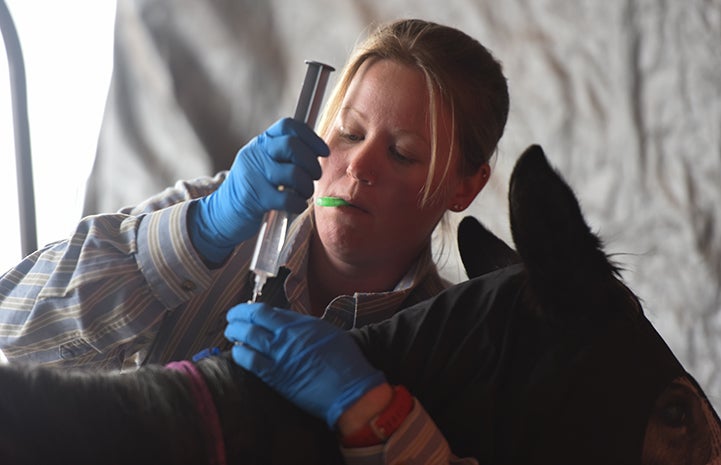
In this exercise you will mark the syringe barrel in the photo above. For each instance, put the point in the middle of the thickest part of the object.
(270, 242)
(275, 223)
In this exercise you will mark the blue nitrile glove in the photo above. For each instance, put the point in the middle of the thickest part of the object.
(286, 154)
(310, 362)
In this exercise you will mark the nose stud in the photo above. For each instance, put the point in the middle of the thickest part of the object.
(368, 178)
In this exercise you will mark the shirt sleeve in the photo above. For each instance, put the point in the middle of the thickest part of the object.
(417, 441)
(99, 297)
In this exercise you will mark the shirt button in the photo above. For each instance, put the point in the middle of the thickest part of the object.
(188, 285)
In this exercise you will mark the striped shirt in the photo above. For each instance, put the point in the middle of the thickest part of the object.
(129, 288)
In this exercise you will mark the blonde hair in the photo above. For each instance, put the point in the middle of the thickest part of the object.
(458, 69)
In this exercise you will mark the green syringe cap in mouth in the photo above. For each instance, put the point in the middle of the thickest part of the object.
(330, 202)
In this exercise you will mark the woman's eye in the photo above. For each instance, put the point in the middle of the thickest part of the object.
(397, 155)
(349, 136)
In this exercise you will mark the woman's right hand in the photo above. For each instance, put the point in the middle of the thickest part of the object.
(284, 155)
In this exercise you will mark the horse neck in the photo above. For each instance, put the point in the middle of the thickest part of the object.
(58, 416)
(260, 426)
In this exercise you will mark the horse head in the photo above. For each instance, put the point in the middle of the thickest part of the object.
(618, 391)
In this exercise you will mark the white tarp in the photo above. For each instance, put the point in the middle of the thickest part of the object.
(624, 96)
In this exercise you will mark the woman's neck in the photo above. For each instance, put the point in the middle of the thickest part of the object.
(329, 277)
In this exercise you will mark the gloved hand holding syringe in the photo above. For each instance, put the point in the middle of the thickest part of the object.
(274, 226)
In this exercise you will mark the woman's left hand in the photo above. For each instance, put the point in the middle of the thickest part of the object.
(312, 363)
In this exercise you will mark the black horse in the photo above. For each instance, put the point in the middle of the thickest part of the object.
(544, 356)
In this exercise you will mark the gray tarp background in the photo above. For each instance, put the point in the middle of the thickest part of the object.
(624, 96)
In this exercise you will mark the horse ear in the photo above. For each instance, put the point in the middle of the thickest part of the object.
(482, 251)
(564, 258)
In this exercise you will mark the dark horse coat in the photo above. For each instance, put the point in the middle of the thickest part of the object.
(543, 357)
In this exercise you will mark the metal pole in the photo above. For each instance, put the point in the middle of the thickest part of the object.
(23, 159)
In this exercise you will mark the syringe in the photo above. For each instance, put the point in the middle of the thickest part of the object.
(274, 227)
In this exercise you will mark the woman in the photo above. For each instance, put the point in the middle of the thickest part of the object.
(410, 127)
(404, 148)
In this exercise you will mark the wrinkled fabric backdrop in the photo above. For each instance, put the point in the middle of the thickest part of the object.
(624, 96)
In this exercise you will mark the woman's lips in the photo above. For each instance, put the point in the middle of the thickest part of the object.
(352, 202)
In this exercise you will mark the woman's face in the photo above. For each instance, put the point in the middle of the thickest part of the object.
(380, 154)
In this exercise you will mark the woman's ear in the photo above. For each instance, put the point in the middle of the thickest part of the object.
(468, 188)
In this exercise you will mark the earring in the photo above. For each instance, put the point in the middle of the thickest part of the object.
(456, 207)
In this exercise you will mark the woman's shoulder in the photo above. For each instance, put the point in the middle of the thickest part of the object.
(181, 191)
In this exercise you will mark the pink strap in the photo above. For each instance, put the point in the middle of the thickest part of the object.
(206, 409)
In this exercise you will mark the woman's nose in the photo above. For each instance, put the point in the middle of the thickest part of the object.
(363, 165)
